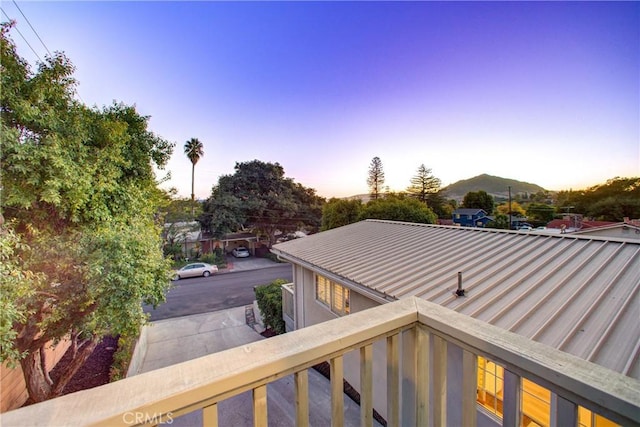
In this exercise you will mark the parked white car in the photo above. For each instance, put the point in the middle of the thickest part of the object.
(195, 269)
(240, 252)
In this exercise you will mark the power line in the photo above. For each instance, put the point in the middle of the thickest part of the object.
(27, 42)
(34, 30)
(23, 37)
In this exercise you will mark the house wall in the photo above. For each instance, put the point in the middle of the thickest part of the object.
(309, 312)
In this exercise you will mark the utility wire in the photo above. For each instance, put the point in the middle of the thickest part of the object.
(37, 35)
(34, 30)
(23, 37)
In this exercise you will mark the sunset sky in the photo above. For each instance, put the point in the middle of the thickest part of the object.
(543, 92)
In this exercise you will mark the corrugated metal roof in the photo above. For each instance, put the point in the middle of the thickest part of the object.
(575, 293)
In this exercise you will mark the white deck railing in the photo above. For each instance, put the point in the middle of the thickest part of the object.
(416, 394)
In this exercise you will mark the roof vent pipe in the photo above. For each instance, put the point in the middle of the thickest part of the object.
(460, 291)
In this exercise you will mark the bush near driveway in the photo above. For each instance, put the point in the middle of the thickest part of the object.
(269, 298)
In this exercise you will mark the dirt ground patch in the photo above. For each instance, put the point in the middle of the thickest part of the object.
(95, 371)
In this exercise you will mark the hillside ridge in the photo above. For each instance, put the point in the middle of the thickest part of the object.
(493, 185)
(496, 186)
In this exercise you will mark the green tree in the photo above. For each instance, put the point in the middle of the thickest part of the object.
(79, 196)
(339, 212)
(516, 209)
(193, 150)
(423, 184)
(540, 212)
(612, 201)
(479, 200)
(375, 181)
(500, 221)
(426, 188)
(398, 208)
(259, 197)
(176, 209)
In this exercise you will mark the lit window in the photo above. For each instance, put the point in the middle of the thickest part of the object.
(536, 404)
(490, 385)
(536, 400)
(333, 295)
(586, 418)
(323, 290)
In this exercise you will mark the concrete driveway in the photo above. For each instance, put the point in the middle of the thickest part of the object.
(249, 263)
(180, 339)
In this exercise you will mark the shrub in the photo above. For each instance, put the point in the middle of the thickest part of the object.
(122, 357)
(216, 257)
(269, 299)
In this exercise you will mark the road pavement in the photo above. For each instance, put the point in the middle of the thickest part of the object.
(232, 287)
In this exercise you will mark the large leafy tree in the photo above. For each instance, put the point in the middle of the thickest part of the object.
(540, 212)
(613, 200)
(79, 240)
(258, 196)
(375, 180)
(339, 212)
(479, 200)
(398, 208)
(193, 149)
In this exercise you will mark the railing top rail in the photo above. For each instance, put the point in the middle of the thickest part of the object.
(200, 382)
(602, 390)
(190, 385)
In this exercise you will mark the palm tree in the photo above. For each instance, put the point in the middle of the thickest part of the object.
(193, 150)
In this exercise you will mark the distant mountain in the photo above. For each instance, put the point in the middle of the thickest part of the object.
(494, 185)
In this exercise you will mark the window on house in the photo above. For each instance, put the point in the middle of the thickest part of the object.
(490, 385)
(323, 290)
(333, 295)
(586, 418)
(536, 400)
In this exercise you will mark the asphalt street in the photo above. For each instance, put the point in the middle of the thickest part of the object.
(218, 292)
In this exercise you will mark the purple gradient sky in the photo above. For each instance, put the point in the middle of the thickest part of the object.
(547, 93)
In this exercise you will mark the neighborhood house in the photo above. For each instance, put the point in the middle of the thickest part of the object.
(577, 294)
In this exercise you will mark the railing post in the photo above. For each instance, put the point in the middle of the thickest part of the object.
(302, 397)
(422, 376)
(366, 386)
(337, 391)
(563, 412)
(260, 418)
(393, 381)
(469, 388)
(439, 382)
(210, 415)
(408, 389)
(512, 403)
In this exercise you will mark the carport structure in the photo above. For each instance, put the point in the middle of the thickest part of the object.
(230, 241)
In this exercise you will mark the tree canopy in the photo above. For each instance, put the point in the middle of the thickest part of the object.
(479, 200)
(339, 212)
(259, 197)
(79, 242)
(398, 208)
(612, 201)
